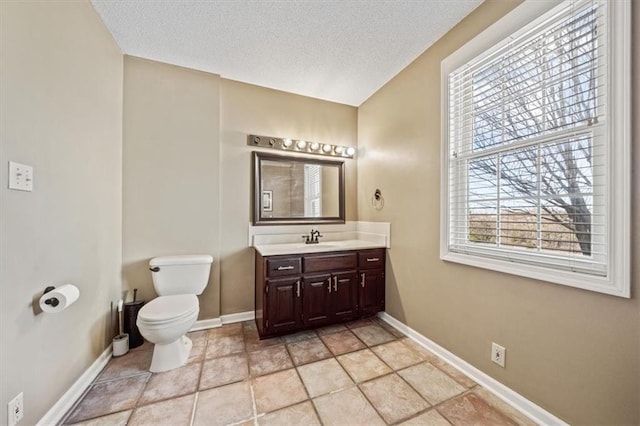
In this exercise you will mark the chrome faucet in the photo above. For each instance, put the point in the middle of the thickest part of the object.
(312, 238)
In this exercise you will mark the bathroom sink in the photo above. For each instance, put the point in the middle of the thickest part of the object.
(319, 245)
(301, 248)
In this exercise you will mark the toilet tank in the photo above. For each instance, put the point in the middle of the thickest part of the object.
(180, 274)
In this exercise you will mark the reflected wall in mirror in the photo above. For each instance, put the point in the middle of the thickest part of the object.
(292, 190)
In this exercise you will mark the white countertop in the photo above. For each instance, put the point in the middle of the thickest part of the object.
(323, 246)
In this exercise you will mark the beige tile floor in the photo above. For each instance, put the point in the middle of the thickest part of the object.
(361, 373)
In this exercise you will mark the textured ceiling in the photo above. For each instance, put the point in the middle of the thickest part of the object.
(341, 51)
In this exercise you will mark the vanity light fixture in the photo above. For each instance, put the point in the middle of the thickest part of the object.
(302, 146)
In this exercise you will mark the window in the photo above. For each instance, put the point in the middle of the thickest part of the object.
(536, 143)
(312, 191)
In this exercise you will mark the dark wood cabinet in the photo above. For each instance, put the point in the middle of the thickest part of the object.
(371, 293)
(283, 296)
(316, 300)
(330, 262)
(371, 280)
(344, 298)
(294, 292)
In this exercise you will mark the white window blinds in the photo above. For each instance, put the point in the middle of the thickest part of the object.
(528, 145)
(312, 190)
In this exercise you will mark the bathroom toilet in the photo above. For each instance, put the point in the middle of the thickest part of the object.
(166, 320)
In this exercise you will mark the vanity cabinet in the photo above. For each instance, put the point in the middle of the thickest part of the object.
(294, 292)
(371, 292)
(344, 306)
(329, 298)
(316, 300)
(283, 295)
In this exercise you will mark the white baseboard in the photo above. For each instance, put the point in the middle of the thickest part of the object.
(508, 395)
(64, 404)
(238, 317)
(223, 319)
(206, 324)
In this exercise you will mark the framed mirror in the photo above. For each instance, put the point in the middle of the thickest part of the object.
(294, 191)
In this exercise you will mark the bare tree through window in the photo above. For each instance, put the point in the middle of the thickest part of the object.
(536, 195)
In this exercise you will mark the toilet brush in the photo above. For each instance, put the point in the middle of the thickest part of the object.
(121, 341)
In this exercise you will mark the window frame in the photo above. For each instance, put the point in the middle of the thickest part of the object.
(617, 280)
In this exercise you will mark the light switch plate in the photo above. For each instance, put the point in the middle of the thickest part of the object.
(20, 177)
(15, 410)
(498, 354)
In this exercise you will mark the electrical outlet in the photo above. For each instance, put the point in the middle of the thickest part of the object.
(498, 354)
(20, 177)
(15, 410)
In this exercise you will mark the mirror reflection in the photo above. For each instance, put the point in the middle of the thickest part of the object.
(297, 190)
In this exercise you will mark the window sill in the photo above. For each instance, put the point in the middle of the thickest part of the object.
(606, 285)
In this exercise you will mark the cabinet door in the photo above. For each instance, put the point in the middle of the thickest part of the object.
(282, 310)
(316, 299)
(371, 296)
(344, 296)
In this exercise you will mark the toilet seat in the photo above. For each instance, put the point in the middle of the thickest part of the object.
(169, 309)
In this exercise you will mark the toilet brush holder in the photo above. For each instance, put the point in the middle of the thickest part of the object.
(121, 341)
(120, 344)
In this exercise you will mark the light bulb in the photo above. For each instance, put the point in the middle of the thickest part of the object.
(315, 146)
(287, 143)
(326, 148)
(301, 144)
(351, 150)
(339, 149)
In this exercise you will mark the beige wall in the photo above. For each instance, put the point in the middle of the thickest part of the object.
(61, 112)
(248, 109)
(171, 173)
(574, 352)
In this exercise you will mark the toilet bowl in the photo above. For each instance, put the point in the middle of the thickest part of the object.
(165, 320)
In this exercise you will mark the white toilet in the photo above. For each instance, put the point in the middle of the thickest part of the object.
(166, 319)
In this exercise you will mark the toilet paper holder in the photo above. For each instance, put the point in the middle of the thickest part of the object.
(53, 301)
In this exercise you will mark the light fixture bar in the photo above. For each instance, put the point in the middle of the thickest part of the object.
(301, 146)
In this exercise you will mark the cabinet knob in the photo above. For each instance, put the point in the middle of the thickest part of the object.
(362, 279)
(329, 284)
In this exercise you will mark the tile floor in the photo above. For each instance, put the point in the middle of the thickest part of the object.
(361, 373)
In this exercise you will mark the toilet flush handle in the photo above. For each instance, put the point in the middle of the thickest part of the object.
(154, 269)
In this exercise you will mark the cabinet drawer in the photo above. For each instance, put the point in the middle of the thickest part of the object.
(330, 262)
(371, 259)
(284, 266)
